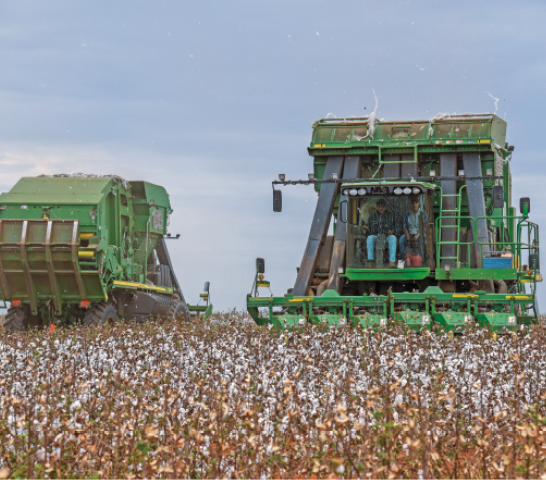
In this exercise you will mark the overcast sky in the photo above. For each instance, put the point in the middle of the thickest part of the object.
(213, 99)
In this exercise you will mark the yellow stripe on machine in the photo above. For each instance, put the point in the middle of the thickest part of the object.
(537, 279)
(463, 295)
(86, 234)
(301, 299)
(119, 283)
(520, 297)
(485, 140)
(86, 253)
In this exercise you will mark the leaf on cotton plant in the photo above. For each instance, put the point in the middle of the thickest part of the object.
(291, 413)
(197, 435)
(321, 426)
(151, 431)
(498, 468)
(166, 469)
(341, 419)
(252, 441)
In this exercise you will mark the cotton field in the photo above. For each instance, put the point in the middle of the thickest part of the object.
(229, 399)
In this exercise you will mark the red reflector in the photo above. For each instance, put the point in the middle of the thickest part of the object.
(84, 304)
(16, 303)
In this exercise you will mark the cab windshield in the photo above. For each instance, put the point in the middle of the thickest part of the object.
(389, 231)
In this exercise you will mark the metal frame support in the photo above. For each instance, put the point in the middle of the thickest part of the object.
(319, 227)
(351, 169)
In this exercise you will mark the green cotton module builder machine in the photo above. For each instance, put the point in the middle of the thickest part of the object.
(425, 231)
(88, 249)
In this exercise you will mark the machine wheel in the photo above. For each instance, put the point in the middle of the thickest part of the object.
(100, 314)
(180, 312)
(16, 320)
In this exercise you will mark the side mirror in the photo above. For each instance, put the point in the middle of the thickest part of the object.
(206, 287)
(498, 196)
(260, 265)
(277, 201)
(343, 211)
(525, 206)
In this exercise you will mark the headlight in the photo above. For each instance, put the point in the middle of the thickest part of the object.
(426, 319)
(407, 190)
(511, 320)
(398, 191)
(362, 191)
(353, 192)
(416, 191)
(346, 192)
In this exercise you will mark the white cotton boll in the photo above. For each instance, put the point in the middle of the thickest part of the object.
(40, 454)
(75, 405)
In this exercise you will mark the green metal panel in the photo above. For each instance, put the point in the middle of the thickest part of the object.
(452, 321)
(497, 322)
(413, 320)
(44, 191)
(378, 274)
(477, 274)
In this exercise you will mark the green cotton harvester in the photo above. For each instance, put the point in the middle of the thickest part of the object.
(424, 230)
(87, 248)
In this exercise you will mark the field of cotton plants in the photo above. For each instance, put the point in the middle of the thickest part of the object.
(228, 399)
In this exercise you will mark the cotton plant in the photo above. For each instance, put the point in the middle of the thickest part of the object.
(229, 399)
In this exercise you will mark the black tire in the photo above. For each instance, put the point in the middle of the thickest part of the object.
(16, 320)
(180, 312)
(100, 314)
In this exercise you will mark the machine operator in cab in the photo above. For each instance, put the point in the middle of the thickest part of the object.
(380, 222)
(412, 230)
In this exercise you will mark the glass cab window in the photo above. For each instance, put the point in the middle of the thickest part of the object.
(389, 231)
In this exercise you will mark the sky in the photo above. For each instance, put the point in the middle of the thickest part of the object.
(214, 99)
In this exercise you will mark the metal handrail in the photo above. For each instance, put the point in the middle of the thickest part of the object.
(515, 247)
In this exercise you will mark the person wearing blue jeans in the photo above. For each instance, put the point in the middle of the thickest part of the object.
(411, 227)
(381, 222)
